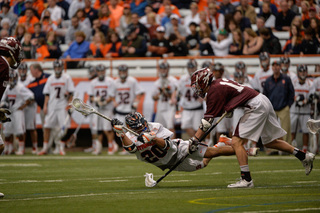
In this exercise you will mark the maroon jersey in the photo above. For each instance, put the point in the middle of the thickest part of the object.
(226, 95)
(4, 75)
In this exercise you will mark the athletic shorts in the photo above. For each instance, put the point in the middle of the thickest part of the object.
(1, 141)
(224, 126)
(192, 162)
(237, 114)
(259, 119)
(16, 126)
(301, 124)
(191, 119)
(30, 116)
(166, 118)
(56, 118)
(100, 124)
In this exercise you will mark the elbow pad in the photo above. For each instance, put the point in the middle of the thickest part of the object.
(131, 148)
(205, 125)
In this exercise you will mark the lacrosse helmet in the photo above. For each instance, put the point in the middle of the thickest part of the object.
(101, 71)
(285, 64)
(92, 72)
(192, 66)
(264, 58)
(164, 69)
(207, 64)
(201, 80)
(13, 78)
(239, 77)
(22, 70)
(123, 71)
(240, 66)
(58, 68)
(11, 47)
(136, 122)
(302, 71)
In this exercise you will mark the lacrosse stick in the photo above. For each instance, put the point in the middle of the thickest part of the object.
(294, 142)
(313, 125)
(86, 109)
(314, 142)
(149, 176)
(72, 140)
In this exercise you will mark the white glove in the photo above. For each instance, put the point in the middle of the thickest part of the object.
(117, 127)
(146, 137)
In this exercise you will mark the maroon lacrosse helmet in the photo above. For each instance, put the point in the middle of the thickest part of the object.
(201, 80)
(12, 46)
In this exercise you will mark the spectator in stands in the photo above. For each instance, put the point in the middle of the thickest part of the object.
(293, 7)
(75, 27)
(116, 10)
(177, 47)
(27, 47)
(231, 25)
(226, 7)
(221, 46)
(42, 51)
(4, 33)
(28, 20)
(298, 22)
(293, 45)
(78, 49)
(133, 45)
(7, 13)
(57, 13)
(143, 20)
(241, 21)
(205, 32)
(253, 43)
(271, 43)
(20, 31)
(106, 17)
(192, 17)
(19, 7)
(91, 13)
(270, 19)
(192, 39)
(53, 45)
(64, 5)
(247, 10)
(165, 20)
(28, 4)
(216, 19)
(260, 22)
(315, 26)
(313, 13)
(125, 20)
(98, 46)
(152, 26)
(138, 6)
(159, 45)
(74, 7)
(285, 17)
(83, 20)
(176, 28)
(273, 7)
(97, 4)
(309, 44)
(305, 13)
(38, 31)
(46, 22)
(162, 9)
(236, 47)
(314, 5)
(113, 46)
(182, 4)
(5, 25)
(142, 30)
(98, 26)
(38, 5)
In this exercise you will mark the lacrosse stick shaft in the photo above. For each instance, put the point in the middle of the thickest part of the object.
(200, 139)
(314, 145)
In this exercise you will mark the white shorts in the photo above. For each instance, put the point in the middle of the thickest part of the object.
(56, 118)
(100, 124)
(166, 118)
(1, 141)
(16, 126)
(192, 162)
(259, 119)
(30, 113)
(301, 124)
(191, 119)
(224, 126)
(237, 114)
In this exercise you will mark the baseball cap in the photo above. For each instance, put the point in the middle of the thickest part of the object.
(130, 29)
(174, 16)
(28, 1)
(160, 29)
(223, 32)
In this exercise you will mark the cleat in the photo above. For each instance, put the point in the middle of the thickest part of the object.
(124, 152)
(34, 151)
(56, 151)
(90, 149)
(253, 151)
(42, 152)
(96, 152)
(308, 162)
(242, 184)
(19, 152)
(1, 195)
(113, 149)
(62, 153)
(226, 140)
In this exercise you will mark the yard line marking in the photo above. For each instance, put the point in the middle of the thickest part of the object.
(305, 181)
(177, 181)
(20, 165)
(283, 210)
(109, 181)
(33, 181)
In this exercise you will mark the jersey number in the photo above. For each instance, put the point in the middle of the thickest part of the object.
(154, 154)
(124, 97)
(102, 94)
(58, 91)
(239, 88)
(189, 96)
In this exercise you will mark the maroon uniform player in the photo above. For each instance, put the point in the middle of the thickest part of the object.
(259, 120)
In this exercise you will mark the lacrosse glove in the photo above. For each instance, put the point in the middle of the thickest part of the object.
(3, 115)
(300, 100)
(193, 145)
(146, 137)
(117, 127)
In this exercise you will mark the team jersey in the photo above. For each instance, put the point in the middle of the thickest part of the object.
(150, 152)
(170, 85)
(302, 89)
(27, 81)
(57, 89)
(188, 99)
(103, 89)
(125, 93)
(4, 75)
(17, 96)
(260, 78)
(226, 95)
(292, 75)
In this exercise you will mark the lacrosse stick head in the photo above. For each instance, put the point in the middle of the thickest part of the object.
(82, 107)
(149, 180)
(313, 125)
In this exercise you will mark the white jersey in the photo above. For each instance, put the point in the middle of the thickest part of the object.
(292, 76)
(103, 89)
(260, 78)
(57, 89)
(305, 89)
(27, 81)
(189, 99)
(125, 93)
(170, 83)
(17, 96)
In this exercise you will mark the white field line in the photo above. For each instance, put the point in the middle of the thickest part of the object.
(20, 165)
(305, 181)
(110, 181)
(283, 210)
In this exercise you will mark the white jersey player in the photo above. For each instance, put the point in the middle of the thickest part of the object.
(240, 66)
(285, 65)
(18, 97)
(58, 93)
(192, 105)
(261, 76)
(101, 94)
(31, 110)
(165, 89)
(301, 110)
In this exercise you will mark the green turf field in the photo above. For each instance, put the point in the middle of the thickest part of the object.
(84, 183)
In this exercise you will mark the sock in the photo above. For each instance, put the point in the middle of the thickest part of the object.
(299, 154)
(45, 146)
(245, 173)
(21, 146)
(34, 145)
(305, 148)
(62, 145)
(6, 147)
(10, 148)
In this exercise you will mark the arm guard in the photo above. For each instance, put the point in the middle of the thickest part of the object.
(131, 148)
